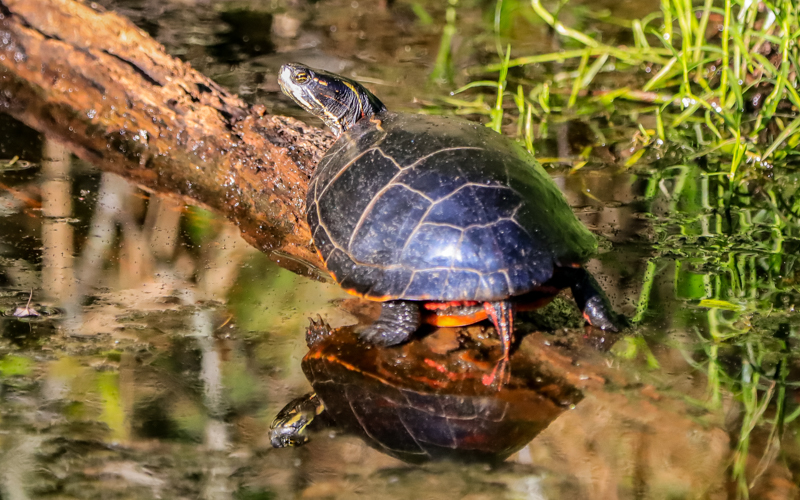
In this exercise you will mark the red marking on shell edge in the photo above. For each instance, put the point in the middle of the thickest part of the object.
(429, 382)
(435, 365)
(442, 369)
(433, 306)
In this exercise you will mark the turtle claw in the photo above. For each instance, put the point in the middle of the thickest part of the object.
(317, 330)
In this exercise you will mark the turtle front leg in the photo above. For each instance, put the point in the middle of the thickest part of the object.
(502, 315)
(593, 302)
(398, 320)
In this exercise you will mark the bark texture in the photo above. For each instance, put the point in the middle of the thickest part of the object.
(95, 82)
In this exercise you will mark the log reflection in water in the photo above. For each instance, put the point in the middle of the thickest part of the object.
(102, 230)
(222, 263)
(58, 275)
(136, 260)
(161, 226)
(216, 439)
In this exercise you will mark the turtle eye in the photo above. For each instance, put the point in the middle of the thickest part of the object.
(301, 77)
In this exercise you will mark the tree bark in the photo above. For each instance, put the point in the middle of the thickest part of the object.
(95, 82)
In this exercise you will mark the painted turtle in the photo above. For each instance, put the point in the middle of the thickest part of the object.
(416, 403)
(417, 210)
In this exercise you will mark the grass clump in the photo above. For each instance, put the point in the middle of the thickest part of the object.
(725, 68)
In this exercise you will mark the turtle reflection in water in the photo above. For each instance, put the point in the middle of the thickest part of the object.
(418, 404)
(438, 214)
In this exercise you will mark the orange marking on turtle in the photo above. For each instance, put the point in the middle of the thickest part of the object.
(454, 320)
(438, 366)
(431, 306)
(430, 382)
(377, 123)
(319, 254)
(441, 369)
(351, 291)
(333, 358)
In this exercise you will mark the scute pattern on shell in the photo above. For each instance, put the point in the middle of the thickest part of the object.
(429, 208)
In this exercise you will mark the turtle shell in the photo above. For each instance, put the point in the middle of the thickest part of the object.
(417, 404)
(430, 208)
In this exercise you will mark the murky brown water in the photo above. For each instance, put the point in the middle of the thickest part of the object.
(158, 346)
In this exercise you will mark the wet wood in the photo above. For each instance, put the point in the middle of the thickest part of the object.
(93, 81)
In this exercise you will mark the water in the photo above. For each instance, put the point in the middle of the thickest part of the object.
(157, 346)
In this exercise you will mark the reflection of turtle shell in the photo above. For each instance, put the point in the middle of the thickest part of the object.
(416, 405)
(429, 208)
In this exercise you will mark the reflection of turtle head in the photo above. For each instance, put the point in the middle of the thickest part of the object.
(338, 101)
(418, 405)
(290, 425)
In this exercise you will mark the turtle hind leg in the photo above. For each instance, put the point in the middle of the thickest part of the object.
(502, 315)
(398, 320)
(593, 302)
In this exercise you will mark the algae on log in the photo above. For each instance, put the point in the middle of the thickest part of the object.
(95, 82)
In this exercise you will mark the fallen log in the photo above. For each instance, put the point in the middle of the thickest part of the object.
(93, 81)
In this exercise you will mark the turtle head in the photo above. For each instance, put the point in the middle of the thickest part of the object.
(339, 101)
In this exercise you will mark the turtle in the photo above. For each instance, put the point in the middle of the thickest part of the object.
(418, 403)
(443, 220)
